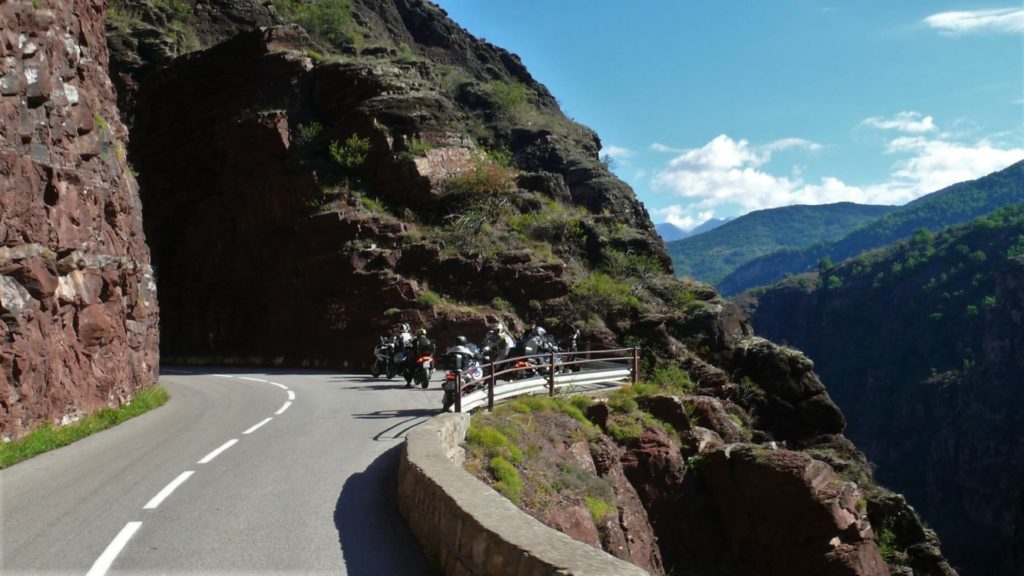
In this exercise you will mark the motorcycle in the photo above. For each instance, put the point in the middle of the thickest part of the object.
(529, 367)
(384, 358)
(471, 369)
(423, 370)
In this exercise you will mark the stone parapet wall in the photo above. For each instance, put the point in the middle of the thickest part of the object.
(472, 530)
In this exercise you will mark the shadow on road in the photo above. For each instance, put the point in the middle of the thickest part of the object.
(413, 418)
(396, 385)
(374, 539)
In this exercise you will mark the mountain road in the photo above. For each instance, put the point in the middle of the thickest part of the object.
(246, 472)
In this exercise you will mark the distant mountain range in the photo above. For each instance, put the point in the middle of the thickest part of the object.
(712, 256)
(953, 205)
(670, 232)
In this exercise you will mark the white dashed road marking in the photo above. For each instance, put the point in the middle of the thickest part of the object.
(167, 490)
(217, 452)
(106, 560)
(257, 427)
(103, 563)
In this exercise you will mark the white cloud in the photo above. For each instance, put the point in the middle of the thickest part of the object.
(935, 164)
(659, 147)
(616, 152)
(911, 122)
(732, 172)
(789, 143)
(678, 216)
(1006, 20)
(727, 171)
(722, 153)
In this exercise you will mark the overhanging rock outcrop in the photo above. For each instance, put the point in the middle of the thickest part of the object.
(78, 308)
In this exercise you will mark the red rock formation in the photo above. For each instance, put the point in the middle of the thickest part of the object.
(78, 309)
(783, 513)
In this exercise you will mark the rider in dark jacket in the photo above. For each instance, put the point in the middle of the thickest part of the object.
(421, 345)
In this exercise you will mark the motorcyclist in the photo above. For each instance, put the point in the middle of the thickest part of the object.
(536, 341)
(498, 342)
(466, 362)
(465, 349)
(405, 337)
(421, 345)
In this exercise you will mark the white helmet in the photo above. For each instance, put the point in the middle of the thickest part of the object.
(541, 331)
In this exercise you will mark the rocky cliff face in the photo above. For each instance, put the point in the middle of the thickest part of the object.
(735, 464)
(926, 361)
(273, 247)
(78, 308)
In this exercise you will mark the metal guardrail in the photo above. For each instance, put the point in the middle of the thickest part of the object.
(553, 373)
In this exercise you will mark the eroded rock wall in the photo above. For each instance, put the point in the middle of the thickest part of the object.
(78, 307)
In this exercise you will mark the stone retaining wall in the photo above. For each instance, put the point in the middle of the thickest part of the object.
(472, 530)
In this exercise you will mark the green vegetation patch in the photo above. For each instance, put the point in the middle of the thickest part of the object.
(428, 298)
(492, 443)
(672, 379)
(327, 21)
(350, 154)
(599, 509)
(48, 437)
(509, 482)
(509, 96)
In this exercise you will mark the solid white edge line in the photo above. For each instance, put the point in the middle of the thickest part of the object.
(283, 408)
(252, 379)
(163, 494)
(257, 427)
(281, 386)
(217, 452)
(291, 395)
(222, 375)
(103, 563)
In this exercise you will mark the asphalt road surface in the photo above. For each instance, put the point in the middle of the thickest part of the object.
(245, 473)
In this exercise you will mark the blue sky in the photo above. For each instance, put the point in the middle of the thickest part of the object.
(714, 108)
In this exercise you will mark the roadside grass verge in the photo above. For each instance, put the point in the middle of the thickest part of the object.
(48, 437)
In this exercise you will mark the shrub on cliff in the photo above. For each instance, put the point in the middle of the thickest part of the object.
(492, 173)
(324, 20)
(350, 154)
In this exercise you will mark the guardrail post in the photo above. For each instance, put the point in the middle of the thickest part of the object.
(490, 389)
(551, 375)
(635, 372)
(457, 388)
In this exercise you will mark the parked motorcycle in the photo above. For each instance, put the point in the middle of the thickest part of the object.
(423, 370)
(544, 344)
(384, 358)
(471, 370)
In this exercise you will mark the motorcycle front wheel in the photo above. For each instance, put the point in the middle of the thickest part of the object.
(390, 371)
(375, 369)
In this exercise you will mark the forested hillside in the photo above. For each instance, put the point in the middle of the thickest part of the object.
(711, 256)
(953, 205)
(922, 346)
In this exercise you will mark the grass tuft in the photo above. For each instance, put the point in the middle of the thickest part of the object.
(49, 437)
(509, 482)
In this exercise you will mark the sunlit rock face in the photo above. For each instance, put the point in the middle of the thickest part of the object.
(78, 307)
